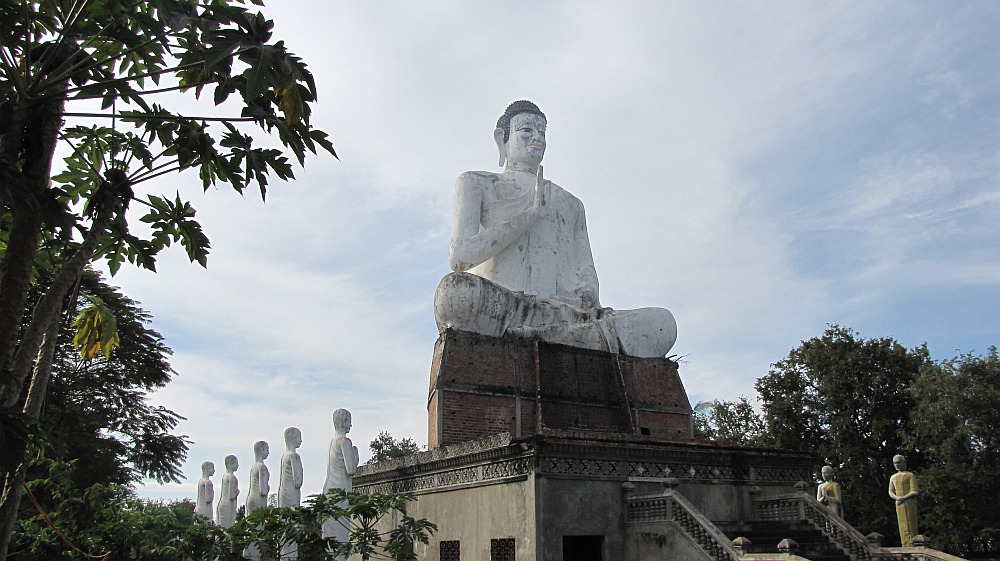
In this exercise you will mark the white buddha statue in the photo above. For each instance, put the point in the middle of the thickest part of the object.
(259, 488)
(206, 492)
(225, 514)
(523, 242)
(343, 460)
(290, 483)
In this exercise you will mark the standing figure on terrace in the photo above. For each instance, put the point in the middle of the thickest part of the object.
(342, 463)
(229, 494)
(829, 493)
(903, 489)
(259, 489)
(290, 483)
(522, 259)
(206, 492)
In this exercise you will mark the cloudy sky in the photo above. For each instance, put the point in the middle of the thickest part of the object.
(762, 169)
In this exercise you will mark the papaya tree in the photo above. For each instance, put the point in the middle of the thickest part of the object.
(99, 77)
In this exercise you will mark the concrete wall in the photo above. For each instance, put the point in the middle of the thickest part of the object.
(579, 508)
(658, 541)
(476, 515)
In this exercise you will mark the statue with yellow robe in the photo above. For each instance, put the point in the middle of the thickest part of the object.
(903, 489)
(829, 493)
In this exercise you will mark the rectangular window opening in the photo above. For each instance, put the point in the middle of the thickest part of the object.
(502, 549)
(450, 550)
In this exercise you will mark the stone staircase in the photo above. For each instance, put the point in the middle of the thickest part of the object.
(765, 537)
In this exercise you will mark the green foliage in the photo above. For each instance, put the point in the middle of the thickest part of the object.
(96, 330)
(110, 518)
(56, 59)
(97, 407)
(955, 428)
(847, 400)
(729, 422)
(130, 53)
(385, 447)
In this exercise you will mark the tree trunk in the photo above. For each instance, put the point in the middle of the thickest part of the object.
(10, 502)
(26, 160)
(22, 242)
(42, 333)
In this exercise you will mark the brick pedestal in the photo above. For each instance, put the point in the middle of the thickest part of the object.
(481, 386)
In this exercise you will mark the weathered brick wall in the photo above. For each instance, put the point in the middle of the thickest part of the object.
(477, 382)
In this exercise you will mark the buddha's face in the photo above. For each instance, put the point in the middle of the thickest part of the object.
(526, 144)
(899, 462)
(827, 474)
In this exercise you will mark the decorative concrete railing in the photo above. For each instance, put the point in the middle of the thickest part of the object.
(672, 507)
(799, 506)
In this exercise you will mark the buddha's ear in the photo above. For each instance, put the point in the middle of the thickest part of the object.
(498, 138)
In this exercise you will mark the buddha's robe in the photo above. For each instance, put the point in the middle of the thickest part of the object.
(290, 483)
(900, 484)
(206, 495)
(225, 514)
(542, 283)
(829, 494)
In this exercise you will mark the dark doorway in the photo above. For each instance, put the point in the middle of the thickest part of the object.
(583, 548)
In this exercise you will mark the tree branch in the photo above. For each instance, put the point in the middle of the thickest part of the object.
(139, 76)
(147, 177)
(160, 117)
(149, 92)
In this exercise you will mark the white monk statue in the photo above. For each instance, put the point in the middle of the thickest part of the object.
(206, 492)
(343, 462)
(229, 494)
(290, 483)
(259, 476)
(258, 489)
(523, 241)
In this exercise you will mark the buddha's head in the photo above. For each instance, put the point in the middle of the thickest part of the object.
(293, 438)
(827, 473)
(261, 450)
(232, 463)
(520, 134)
(342, 421)
(207, 469)
(899, 462)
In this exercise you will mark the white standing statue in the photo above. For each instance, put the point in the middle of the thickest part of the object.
(206, 492)
(343, 462)
(523, 241)
(259, 489)
(229, 494)
(290, 482)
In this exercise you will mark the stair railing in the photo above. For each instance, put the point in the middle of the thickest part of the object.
(671, 506)
(800, 506)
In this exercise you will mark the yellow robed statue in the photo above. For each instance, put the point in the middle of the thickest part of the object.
(903, 489)
(829, 493)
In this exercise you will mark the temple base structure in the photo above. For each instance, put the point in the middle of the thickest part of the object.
(481, 386)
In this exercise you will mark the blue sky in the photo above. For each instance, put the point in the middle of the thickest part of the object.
(760, 169)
